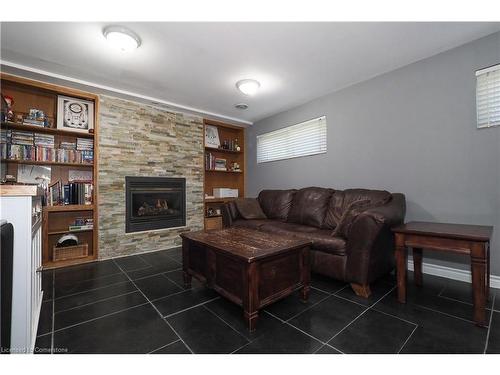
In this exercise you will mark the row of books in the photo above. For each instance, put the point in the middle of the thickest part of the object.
(45, 140)
(40, 153)
(21, 137)
(84, 144)
(213, 163)
(72, 193)
(82, 223)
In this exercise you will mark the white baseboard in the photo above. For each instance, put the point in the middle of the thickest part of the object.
(452, 273)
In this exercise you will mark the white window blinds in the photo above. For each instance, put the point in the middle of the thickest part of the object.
(306, 138)
(488, 97)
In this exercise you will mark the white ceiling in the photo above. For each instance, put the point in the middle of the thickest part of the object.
(197, 64)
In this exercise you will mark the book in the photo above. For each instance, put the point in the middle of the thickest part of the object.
(80, 227)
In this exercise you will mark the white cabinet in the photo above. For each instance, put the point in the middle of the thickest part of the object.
(24, 212)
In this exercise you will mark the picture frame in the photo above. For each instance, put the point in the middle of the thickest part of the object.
(76, 115)
(212, 136)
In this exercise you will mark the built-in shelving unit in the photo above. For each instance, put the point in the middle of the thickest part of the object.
(224, 178)
(56, 219)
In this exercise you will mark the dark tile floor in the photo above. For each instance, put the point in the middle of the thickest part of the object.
(139, 304)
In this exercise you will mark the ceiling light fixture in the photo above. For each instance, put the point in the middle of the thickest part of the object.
(122, 38)
(241, 106)
(248, 86)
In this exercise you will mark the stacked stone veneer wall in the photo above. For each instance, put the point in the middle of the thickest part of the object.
(139, 140)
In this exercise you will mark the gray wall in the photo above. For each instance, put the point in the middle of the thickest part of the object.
(412, 130)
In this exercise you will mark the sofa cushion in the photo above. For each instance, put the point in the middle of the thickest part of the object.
(342, 200)
(376, 197)
(279, 227)
(334, 210)
(309, 206)
(276, 203)
(251, 224)
(249, 208)
(321, 239)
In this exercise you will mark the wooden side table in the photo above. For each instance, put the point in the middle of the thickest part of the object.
(471, 240)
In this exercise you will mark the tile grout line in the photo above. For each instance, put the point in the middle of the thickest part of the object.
(153, 274)
(489, 325)
(94, 278)
(189, 308)
(96, 301)
(90, 290)
(394, 316)
(467, 303)
(308, 308)
(407, 339)
(180, 286)
(298, 329)
(443, 313)
(362, 313)
(99, 317)
(164, 346)
(229, 325)
(154, 307)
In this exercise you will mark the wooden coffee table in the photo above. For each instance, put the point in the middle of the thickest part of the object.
(470, 240)
(248, 267)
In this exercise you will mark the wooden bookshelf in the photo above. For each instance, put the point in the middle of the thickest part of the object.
(55, 219)
(224, 178)
(36, 162)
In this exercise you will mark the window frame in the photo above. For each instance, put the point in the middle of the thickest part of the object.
(480, 72)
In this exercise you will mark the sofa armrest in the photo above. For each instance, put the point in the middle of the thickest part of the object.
(392, 213)
(370, 242)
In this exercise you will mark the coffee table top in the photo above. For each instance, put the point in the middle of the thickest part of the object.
(246, 243)
(456, 231)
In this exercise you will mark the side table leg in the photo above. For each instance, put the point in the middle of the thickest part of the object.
(488, 271)
(478, 268)
(401, 261)
(417, 266)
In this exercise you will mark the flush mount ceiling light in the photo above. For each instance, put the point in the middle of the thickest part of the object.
(248, 86)
(122, 38)
(241, 106)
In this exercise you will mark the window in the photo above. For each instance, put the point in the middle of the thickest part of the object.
(488, 97)
(306, 138)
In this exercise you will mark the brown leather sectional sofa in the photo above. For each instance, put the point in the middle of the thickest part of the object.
(362, 254)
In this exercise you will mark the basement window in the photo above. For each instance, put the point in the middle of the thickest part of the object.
(304, 139)
(488, 97)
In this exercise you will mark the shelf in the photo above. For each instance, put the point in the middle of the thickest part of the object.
(223, 150)
(69, 207)
(41, 129)
(64, 263)
(216, 171)
(35, 162)
(69, 231)
(219, 200)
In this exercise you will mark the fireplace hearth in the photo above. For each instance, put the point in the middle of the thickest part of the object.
(154, 203)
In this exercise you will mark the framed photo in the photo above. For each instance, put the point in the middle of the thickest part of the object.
(74, 114)
(212, 136)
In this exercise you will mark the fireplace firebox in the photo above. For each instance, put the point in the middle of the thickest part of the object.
(154, 203)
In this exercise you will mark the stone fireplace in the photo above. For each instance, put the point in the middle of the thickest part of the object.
(154, 203)
(137, 139)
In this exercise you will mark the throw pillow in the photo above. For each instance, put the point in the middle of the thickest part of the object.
(249, 208)
(348, 217)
